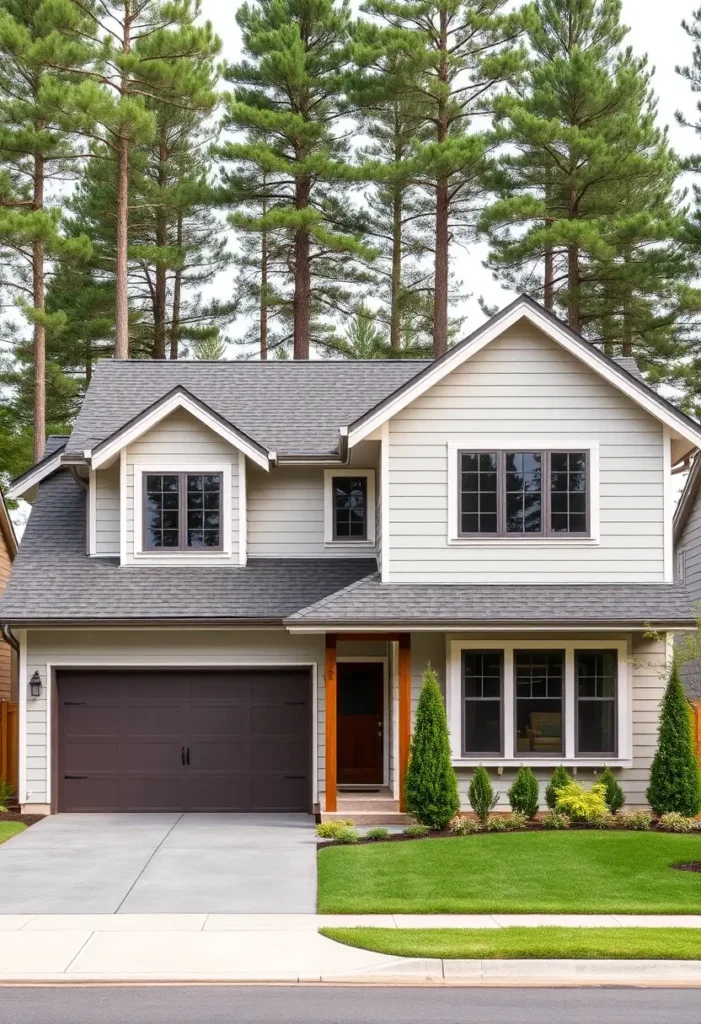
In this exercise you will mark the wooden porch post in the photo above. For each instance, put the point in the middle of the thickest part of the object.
(404, 682)
(331, 720)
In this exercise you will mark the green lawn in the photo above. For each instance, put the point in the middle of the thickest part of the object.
(526, 873)
(526, 943)
(8, 829)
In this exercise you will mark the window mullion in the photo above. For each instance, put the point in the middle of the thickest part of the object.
(182, 517)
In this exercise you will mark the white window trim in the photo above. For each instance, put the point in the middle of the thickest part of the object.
(369, 541)
(198, 557)
(478, 443)
(511, 757)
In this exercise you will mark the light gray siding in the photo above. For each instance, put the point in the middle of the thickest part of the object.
(107, 511)
(181, 443)
(690, 543)
(523, 385)
(286, 510)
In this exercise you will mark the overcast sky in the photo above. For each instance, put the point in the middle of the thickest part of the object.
(655, 29)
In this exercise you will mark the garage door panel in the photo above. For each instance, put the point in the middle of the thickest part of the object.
(123, 733)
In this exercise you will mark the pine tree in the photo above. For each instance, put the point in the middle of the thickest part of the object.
(587, 218)
(456, 53)
(286, 109)
(430, 787)
(674, 775)
(37, 37)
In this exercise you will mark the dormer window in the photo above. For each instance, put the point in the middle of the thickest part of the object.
(182, 511)
(349, 506)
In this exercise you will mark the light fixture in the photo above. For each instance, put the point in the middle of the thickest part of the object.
(35, 685)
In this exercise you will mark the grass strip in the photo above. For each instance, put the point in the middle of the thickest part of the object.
(539, 943)
(8, 829)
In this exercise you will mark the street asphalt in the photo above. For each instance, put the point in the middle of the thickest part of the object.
(317, 1005)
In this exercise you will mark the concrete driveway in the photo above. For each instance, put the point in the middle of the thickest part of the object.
(161, 864)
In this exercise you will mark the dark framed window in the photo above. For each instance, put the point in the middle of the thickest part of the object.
(350, 507)
(596, 690)
(523, 493)
(182, 511)
(482, 702)
(539, 682)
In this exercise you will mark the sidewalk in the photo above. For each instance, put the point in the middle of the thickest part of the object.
(70, 948)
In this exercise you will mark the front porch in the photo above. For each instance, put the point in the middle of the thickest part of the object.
(367, 727)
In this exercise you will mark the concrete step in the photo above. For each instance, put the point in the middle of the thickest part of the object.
(360, 803)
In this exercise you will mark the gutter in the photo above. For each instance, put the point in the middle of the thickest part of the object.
(489, 626)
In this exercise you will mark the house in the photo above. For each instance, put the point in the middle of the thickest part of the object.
(687, 563)
(8, 550)
(235, 573)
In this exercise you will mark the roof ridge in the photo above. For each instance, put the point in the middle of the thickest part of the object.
(331, 597)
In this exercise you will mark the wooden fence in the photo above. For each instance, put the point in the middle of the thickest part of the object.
(9, 742)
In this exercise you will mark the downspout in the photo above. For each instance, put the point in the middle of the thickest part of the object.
(9, 637)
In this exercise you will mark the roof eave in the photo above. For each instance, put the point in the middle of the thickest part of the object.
(504, 625)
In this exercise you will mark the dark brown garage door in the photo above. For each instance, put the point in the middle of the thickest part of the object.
(184, 740)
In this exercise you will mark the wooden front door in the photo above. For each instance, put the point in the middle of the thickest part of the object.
(360, 723)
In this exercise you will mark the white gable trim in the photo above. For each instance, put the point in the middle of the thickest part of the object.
(34, 476)
(492, 330)
(170, 405)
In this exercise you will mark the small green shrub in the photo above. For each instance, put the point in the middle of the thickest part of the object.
(674, 775)
(524, 793)
(585, 805)
(614, 794)
(674, 822)
(506, 822)
(560, 778)
(377, 833)
(6, 793)
(516, 820)
(635, 821)
(483, 799)
(417, 831)
(347, 834)
(465, 826)
(555, 820)
(329, 829)
(430, 788)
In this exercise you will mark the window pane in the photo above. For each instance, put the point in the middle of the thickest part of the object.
(161, 513)
(568, 492)
(596, 689)
(523, 485)
(539, 679)
(350, 504)
(478, 492)
(203, 492)
(482, 701)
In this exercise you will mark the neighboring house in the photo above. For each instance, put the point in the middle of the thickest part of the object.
(8, 550)
(235, 574)
(687, 562)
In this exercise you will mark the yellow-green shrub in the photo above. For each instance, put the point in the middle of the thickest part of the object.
(587, 805)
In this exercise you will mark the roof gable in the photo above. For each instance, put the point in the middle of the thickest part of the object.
(616, 374)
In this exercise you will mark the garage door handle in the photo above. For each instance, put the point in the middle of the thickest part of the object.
(75, 776)
(294, 703)
(188, 755)
(74, 703)
(182, 755)
(294, 776)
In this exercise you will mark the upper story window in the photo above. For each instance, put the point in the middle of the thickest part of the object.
(349, 506)
(523, 493)
(182, 511)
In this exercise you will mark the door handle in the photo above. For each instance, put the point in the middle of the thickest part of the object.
(188, 755)
(182, 755)
(75, 776)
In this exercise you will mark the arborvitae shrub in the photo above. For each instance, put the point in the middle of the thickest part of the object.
(523, 794)
(614, 794)
(482, 796)
(560, 778)
(674, 776)
(431, 790)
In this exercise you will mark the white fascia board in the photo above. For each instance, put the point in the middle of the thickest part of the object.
(492, 330)
(34, 476)
(150, 420)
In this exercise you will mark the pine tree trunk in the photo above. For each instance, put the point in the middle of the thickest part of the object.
(159, 303)
(264, 293)
(301, 303)
(548, 280)
(38, 290)
(177, 285)
(395, 325)
(121, 339)
(574, 312)
(440, 292)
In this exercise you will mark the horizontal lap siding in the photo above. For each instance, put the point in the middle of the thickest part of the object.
(690, 541)
(181, 436)
(107, 511)
(524, 385)
(155, 648)
(5, 649)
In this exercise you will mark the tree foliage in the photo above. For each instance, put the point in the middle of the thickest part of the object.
(430, 787)
(674, 775)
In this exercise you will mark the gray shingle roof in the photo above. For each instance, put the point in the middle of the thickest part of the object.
(370, 602)
(292, 408)
(53, 579)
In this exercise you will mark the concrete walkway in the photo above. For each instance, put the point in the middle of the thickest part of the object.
(161, 863)
(278, 947)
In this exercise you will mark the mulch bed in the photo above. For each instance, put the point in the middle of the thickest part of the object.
(692, 865)
(26, 819)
